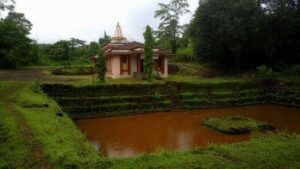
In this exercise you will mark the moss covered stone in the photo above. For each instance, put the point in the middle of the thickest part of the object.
(237, 125)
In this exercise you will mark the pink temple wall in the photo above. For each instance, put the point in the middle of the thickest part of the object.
(115, 69)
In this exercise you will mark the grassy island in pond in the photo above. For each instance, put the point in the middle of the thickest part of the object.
(237, 125)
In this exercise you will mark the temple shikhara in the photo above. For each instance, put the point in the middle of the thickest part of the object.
(126, 59)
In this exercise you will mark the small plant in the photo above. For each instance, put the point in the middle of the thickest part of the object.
(168, 102)
(37, 86)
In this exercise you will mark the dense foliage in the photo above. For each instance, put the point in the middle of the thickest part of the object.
(65, 49)
(239, 35)
(72, 49)
(16, 48)
(148, 48)
(170, 30)
(6, 5)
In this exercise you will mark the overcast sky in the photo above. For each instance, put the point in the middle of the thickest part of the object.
(54, 20)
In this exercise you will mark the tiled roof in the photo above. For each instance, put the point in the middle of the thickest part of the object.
(127, 46)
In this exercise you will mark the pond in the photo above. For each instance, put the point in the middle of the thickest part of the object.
(135, 135)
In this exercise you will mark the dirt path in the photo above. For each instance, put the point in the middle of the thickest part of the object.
(40, 161)
(24, 75)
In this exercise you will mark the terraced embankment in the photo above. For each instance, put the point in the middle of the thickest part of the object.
(123, 99)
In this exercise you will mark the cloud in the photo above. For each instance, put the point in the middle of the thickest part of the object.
(54, 20)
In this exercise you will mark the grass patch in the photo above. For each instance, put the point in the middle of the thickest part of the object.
(15, 150)
(63, 145)
(259, 153)
(237, 125)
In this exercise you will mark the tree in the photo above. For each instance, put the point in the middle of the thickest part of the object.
(60, 51)
(223, 32)
(281, 31)
(20, 21)
(101, 64)
(93, 49)
(148, 49)
(75, 46)
(6, 5)
(169, 29)
(16, 48)
(67, 50)
(104, 40)
(239, 35)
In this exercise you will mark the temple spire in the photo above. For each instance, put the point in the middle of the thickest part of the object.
(118, 37)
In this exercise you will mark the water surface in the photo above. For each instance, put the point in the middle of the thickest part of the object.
(139, 134)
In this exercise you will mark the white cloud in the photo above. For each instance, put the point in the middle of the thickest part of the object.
(62, 19)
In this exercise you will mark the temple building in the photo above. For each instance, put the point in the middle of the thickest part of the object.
(126, 59)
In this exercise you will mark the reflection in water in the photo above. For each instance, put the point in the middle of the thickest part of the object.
(184, 140)
(134, 135)
(125, 152)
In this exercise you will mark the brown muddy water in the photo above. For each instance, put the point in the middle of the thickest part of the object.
(139, 134)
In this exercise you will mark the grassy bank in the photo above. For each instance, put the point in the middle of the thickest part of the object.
(15, 149)
(56, 139)
(260, 153)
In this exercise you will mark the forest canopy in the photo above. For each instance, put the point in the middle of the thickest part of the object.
(238, 35)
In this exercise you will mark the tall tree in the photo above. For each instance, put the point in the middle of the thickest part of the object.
(16, 48)
(67, 50)
(223, 30)
(239, 35)
(148, 49)
(169, 29)
(101, 66)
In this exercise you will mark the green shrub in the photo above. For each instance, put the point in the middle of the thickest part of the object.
(37, 87)
(291, 71)
(264, 72)
(173, 69)
(185, 54)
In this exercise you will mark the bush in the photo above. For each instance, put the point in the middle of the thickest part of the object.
(173, 69)
(184, 55)
(292, 71)
(264, 72)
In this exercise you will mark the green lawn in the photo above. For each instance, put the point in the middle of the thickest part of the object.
(261, 153)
